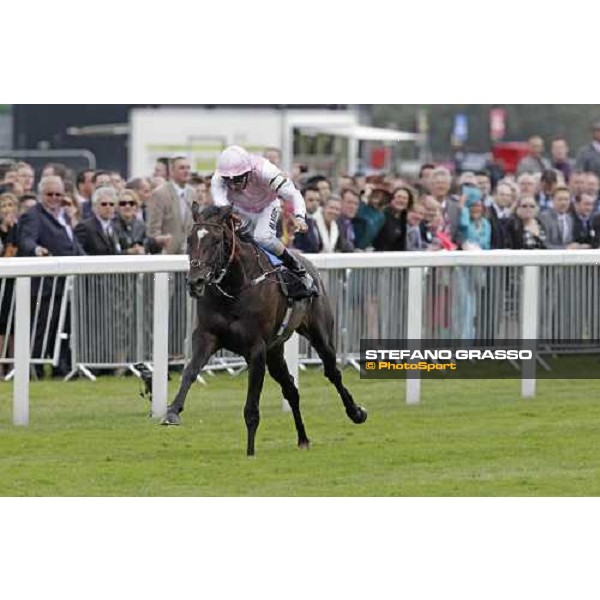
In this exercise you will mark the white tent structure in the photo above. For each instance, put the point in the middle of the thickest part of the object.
(356, 133)
(202, 133)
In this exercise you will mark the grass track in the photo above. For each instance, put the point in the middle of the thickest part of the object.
(468, 438)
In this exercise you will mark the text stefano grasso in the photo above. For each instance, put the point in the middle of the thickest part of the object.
(446, 355)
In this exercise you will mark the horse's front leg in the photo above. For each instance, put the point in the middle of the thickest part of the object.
(204, 346)
(257, 360)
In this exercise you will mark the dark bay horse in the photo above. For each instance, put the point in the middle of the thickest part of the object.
(241, 308)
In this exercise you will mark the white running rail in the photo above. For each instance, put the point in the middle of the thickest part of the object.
(415, 262)
(24, 268)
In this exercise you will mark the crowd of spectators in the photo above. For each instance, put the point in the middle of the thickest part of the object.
(550, 202)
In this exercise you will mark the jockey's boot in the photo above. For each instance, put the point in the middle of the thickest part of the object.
(292, 263)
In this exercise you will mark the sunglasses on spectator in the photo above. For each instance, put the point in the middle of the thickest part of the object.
(107, 203)
(54, 194)
(127, 203)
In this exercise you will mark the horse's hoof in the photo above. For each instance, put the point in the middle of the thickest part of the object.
(359, 416)
(172, 419)
(304, 445)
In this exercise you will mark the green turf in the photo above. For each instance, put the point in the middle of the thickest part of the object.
(468, 438)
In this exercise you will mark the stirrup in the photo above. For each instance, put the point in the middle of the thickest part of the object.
(308, 282)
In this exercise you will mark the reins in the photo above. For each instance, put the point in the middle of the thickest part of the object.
(196, 262)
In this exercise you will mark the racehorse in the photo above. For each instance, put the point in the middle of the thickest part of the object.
(242, 308)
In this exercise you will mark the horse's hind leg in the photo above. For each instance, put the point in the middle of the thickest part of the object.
(204, 346)
(323, 344)
(279, 371)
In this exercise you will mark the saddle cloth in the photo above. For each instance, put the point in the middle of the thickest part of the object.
(274, 260)
(291, 286)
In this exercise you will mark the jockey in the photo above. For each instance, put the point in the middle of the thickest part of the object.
(253, 186)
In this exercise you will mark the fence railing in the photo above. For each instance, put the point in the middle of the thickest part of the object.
(56, 268)
(494, 295)
(499, 294)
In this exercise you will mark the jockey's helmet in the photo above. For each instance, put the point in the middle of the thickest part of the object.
(234, 167)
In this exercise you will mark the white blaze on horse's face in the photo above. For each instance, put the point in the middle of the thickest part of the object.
(201, 233)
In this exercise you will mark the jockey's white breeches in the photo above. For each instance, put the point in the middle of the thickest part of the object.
(263, 226)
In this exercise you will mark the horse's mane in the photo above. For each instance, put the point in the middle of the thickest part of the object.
(215, 211)
(222, 212)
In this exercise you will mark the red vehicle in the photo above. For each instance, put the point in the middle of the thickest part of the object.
(509, 154)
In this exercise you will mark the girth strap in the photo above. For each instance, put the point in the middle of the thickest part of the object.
(286, 319)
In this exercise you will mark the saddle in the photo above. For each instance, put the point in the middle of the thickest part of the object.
(290, 284)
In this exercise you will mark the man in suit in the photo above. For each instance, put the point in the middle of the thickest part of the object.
(548, 183)
(350, 203)
(588, 158)
(592, 188)
(97, 235)
(169, 213)
(45, 230)
(558, 220)
(535, 162)
(85, 190)
(415, 241)
(484, 183)
(499, 214)
(310, 242)
(585, 228)
(559, 152)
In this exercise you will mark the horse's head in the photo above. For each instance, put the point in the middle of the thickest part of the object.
(211, 247)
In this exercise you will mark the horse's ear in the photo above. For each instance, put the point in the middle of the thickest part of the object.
(195, 210)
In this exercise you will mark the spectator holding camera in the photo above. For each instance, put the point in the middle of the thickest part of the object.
(525, 231)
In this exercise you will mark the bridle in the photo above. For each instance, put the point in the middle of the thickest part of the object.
(197, 263)
(222, 272)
